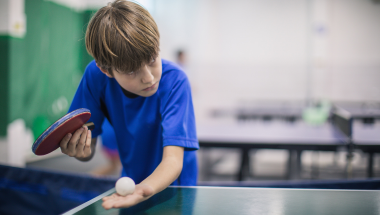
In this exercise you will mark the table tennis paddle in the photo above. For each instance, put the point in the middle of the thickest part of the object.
(49, 140)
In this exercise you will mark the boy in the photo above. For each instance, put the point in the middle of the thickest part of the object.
(147, 100)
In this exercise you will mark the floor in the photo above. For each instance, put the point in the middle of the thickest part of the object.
(63, 163)
(272, 165)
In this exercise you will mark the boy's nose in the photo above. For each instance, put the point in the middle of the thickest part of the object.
(147, 76)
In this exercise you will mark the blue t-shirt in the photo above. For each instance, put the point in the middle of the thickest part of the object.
(108, 137)
(144, 125)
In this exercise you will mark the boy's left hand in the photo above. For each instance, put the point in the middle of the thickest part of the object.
(142, 193)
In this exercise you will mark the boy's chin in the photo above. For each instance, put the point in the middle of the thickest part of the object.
(148, 94)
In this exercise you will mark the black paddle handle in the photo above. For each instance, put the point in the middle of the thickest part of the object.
(90, 125)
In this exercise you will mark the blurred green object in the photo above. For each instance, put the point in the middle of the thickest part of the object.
(40, 124)
(58, 108)
(318, 114)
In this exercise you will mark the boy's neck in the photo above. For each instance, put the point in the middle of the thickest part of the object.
(129, 94)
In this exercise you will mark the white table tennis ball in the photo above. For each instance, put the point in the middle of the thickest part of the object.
(125, 186)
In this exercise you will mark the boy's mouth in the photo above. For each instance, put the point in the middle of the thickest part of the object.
(150, 88)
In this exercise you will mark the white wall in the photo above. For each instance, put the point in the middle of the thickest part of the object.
(4, 16)
(355, 50)
(239, 50)
(80, 5)
(12, 18)
(275, 50)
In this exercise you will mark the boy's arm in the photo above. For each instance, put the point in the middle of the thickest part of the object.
(166, 172)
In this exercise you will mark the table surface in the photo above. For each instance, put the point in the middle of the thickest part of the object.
(229, 200)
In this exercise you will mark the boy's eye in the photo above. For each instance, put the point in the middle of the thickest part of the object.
(153, 60)
(130, 73)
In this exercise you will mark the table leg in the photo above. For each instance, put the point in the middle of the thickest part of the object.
(206, 164)
(294, 164)
(244, 165)
(289, 172)
(315, 165)
(370, 165)
(299, 165)
(350, 157)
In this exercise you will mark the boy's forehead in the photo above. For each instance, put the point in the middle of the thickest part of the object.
(128, 69)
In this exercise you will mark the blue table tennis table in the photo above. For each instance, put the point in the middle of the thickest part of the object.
(234, 200)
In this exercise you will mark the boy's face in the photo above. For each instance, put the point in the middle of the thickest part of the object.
(143, 82)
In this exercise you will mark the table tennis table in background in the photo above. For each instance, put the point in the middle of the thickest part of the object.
(233, 200)
(292, 136)
(367, 112)
(370, 138)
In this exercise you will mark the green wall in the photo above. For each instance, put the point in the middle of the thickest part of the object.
(41, 71)
(86, 58)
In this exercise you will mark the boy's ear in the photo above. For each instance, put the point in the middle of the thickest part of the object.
(105, 71)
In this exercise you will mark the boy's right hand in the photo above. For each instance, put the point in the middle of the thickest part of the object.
(77, 145)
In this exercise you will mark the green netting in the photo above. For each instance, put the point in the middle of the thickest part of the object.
(43, 68)
(4, 83)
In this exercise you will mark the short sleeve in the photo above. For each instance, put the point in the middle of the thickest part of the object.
(88, 95)
(178, 120)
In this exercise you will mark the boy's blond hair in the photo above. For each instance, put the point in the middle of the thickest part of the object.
(122, 36)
